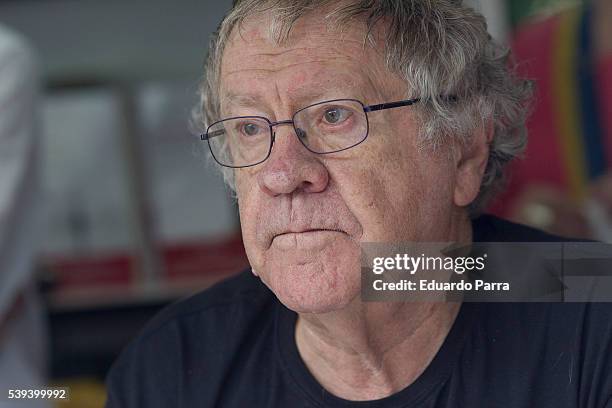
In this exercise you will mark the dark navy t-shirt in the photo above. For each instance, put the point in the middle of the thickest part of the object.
(233, 346)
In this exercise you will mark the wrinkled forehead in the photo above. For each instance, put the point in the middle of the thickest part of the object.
(315, 53)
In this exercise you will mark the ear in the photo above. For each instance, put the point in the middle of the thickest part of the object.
(471, 161)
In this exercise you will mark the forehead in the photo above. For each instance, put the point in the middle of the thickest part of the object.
(316, 59)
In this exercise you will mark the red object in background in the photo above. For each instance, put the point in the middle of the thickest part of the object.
(116, 269)
(543, 163)
(192, 264)
(192, 260)
(532, 48)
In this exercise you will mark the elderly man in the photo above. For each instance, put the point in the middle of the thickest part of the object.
(341, 123)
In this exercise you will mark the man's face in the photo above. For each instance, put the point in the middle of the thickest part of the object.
(304, 215)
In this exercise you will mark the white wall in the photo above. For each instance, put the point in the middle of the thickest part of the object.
(120, 39)
(138, 39)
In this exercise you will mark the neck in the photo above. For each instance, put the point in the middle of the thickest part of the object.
(375, 352)
(370, 350)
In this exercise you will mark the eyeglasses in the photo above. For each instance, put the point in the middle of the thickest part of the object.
(322, 128)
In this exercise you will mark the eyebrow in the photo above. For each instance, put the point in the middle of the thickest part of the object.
(240, 100)
(310, 96)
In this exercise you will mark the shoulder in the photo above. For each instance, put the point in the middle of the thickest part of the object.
(559, 350)
(196, 336)
(581, 329)
(488, 228)
(592, 319)
(225, 306)
(238, 292)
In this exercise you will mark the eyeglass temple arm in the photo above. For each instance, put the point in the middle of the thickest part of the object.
(398, 104)
(210, 135)
(389, 105)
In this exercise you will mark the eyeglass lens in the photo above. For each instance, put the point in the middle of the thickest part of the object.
(324, 127)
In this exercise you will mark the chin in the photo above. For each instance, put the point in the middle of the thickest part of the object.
(314, 273)
(315, 287)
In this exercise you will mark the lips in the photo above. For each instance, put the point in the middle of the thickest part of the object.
(309, 239)
(299, 231)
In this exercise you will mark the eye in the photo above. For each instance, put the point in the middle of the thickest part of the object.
(250, 129)
(336, 115)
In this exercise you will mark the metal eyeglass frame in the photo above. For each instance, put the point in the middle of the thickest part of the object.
(369, 108)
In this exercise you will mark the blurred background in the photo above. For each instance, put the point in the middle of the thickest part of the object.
(109, 210)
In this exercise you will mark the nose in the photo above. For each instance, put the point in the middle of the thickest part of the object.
(291, 167)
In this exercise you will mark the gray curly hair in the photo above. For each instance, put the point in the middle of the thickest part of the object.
(439, 47)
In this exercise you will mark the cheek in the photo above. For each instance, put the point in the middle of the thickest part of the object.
(388, 188)
(378, 187)
(249, 208)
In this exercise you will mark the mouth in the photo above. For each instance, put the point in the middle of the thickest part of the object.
(311, 238)
(309, 230)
